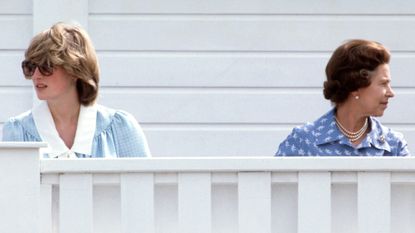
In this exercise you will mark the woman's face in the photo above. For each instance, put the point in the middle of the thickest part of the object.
(373, 99)
(55, 87)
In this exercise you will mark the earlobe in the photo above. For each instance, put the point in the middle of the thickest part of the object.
(355, 95)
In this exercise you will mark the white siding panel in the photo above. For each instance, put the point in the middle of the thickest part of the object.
(216, 107)
(229, 70)
(230, 106)
(10, 64)
(16, 7)
(18, 30)
(14, 101)
(234, 33)
(213, 70)
(251, 7)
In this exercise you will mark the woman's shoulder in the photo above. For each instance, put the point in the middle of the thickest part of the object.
(395, 139)
(110, 118)
(388, 133)
(123, 130)
(15, 127)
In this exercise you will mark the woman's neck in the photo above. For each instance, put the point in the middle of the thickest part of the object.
(65, 117)
(350, 118)
(65, 113)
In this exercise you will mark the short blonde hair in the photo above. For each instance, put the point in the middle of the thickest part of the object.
(69, 47)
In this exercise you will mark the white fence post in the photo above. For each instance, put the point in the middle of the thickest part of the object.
(20, 187)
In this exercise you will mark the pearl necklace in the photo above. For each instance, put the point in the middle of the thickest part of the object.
(352, 136)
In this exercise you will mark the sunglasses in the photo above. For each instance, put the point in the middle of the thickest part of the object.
(29, 68)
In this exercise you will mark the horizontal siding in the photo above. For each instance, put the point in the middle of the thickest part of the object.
(237, 106)
(16, 31)
(16, 7)
(14, 101)
(10, 63)
(163, 69)
(235, 33)
(250, 7)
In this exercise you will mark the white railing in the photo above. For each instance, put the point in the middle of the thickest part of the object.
(198, 195)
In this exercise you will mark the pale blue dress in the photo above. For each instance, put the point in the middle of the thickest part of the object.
(114, 133)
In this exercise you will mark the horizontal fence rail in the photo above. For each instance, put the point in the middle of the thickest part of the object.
(212, 195)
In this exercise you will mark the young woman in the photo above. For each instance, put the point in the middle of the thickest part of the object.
(62, 64)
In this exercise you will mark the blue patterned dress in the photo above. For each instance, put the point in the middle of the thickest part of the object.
(323, 138)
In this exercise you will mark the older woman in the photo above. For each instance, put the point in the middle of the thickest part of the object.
(358, 85)
(62, 64)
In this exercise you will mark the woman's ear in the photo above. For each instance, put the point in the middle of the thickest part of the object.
(355, 94)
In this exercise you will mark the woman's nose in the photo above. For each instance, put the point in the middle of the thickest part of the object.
(390, 92)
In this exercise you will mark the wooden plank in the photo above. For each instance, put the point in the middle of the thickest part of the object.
(237, 106)
(48, 12)
(76, 203)
(137, 203)
(237, 33)
(16, 7)
(201, 69)
(374, 202)
(18, 30)
(194, 193)
(22, 101)
(10, 64)
(314, 202)
(254, 196)
(251, 7)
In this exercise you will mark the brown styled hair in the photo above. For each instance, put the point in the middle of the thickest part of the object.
(69, 47)
(350, 66)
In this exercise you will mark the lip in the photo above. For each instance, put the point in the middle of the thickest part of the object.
(40, 85)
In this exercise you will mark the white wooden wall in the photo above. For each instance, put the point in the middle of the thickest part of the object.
(216, 78)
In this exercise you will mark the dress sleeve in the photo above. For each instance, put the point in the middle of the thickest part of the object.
(128, 136)
(403, 148)
(295, 144)
(13, 131)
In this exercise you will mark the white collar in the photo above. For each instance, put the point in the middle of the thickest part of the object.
(85, 131)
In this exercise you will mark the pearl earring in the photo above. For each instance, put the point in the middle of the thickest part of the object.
(356, 97)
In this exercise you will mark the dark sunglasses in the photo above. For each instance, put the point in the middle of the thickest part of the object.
(29, 68)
